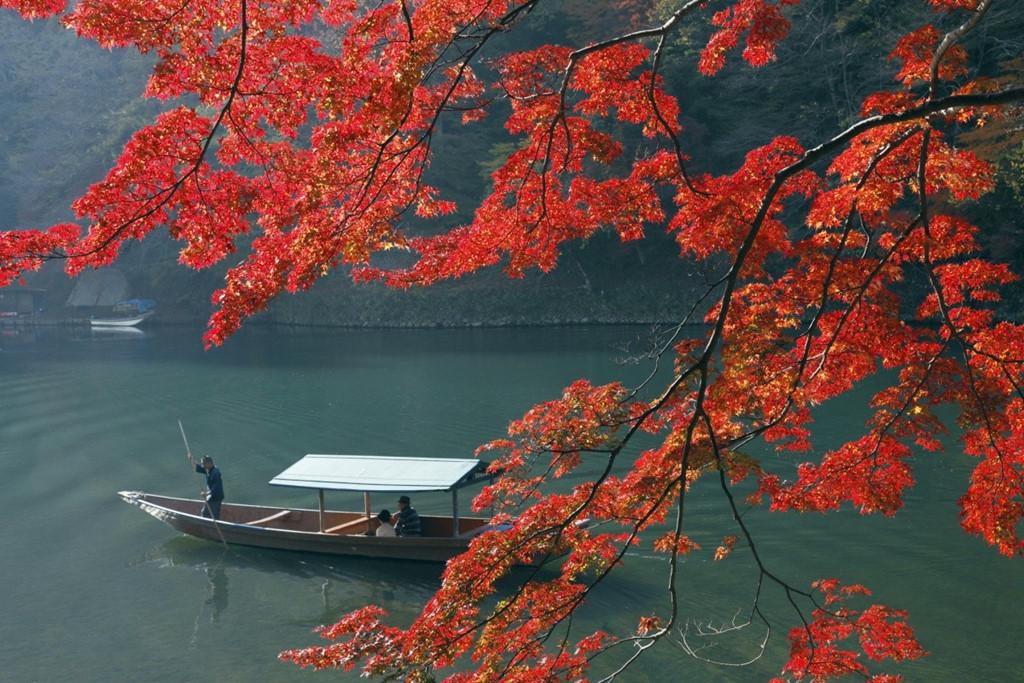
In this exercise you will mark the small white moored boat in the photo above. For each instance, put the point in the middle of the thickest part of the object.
(119, 322)
(126, 314)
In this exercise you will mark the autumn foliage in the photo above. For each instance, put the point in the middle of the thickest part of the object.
(318, 151)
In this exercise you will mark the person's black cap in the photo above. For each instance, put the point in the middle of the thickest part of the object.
(403, 499)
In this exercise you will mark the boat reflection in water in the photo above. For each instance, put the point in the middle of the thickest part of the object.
(218, 598)
(117, 332)
(345, 582)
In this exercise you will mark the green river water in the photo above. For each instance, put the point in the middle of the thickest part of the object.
(94, 590)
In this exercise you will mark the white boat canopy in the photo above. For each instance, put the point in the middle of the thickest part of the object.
(380, 473)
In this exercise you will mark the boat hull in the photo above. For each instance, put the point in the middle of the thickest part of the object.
(184, 515)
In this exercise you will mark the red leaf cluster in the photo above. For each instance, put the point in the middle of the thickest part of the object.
(26, 250)
(761, 20)
(819, 651)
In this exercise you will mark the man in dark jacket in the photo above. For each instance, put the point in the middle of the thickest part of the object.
(408, 521)
(214, 486)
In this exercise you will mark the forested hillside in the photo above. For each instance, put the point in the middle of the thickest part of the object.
(68, 106)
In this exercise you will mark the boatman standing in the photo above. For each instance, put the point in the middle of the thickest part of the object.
(214, 485)
(408, 523)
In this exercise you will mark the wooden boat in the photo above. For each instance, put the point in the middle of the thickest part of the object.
(330, 531)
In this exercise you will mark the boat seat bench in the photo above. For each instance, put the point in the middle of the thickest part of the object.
(346, 525)
(270, 518)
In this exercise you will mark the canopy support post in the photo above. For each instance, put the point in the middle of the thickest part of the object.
(366, 509)
(491, 483)
(320, 496)
(455, 512)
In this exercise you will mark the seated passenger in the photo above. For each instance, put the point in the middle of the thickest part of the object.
(408, 523)
(385, 528)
